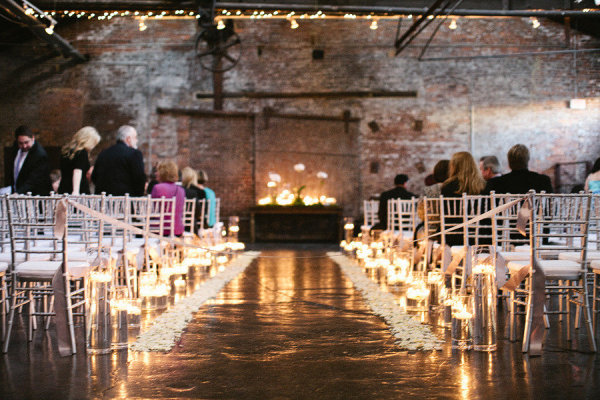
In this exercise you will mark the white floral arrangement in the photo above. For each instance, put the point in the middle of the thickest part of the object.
(410, 334)
(169, 326)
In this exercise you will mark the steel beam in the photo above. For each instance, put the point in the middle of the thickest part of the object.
(39, 30)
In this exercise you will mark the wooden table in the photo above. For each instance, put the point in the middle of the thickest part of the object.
(296, 224)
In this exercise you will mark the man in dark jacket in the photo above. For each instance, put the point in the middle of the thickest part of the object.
(398, 192)
(27, 169)
(120, 168)
(520, 179)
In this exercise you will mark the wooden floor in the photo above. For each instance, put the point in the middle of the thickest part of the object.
(292, 326)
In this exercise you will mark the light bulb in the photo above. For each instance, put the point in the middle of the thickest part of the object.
(142, 26)
(452, 24)
(293, 24)
(50, 30)
(373, 25)
(535, 23)
(220, 24)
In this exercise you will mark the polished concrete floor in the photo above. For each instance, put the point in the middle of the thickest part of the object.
(293, 327)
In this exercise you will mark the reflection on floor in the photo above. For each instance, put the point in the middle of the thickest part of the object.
(292, 326)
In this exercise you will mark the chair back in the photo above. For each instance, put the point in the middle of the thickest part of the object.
(370, 212)
(562, 220)
(189, 215)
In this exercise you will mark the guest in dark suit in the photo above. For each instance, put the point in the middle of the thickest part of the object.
(120, 168)
(520, 179)
(27, 168)
(398, 192)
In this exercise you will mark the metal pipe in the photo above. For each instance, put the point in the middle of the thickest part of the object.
(191, 6)
(524, 54)
(39, 30)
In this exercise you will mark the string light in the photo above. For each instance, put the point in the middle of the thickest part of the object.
(535, 23)
(50, 30)
(292, 16)
(453, 25)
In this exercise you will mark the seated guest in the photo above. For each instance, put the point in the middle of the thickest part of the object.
(55, 179)
(464, 177)
(398, 192)
(189, 181)
(167, 175)
(27, 167)
(440, 174)
(592, 182)
(489, 167)
(75, 161)
(210, 196)
(520, 179)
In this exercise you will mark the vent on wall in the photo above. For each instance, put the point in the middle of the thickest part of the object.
(418, 125)
(318, 54)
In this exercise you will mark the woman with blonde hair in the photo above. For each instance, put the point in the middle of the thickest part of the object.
(167, 175)
(189, 180)
(75, 163)
(464, 176)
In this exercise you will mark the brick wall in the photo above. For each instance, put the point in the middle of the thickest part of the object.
(481, 105)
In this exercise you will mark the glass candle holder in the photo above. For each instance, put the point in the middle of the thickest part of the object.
(437, 290)
(483, 281)
(462, 317)
(119, 320)
(134, 313)
(233, 227)
(417, 294)
(99, 333)
(348, 229)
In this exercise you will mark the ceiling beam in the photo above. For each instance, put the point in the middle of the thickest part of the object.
(504, 9)
(39, 30)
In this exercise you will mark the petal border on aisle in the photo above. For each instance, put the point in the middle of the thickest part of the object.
(410, 333)
(169, 326)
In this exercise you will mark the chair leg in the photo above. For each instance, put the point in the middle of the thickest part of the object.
(546, 318)
(49, 317)
(595, 299)
(31, 316)
(511, 317)
(70, 316)
(528, 318)
(11, 318)
(588, 318)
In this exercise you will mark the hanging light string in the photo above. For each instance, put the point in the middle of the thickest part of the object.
(33, 11)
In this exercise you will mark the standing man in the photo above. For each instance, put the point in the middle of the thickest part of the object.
(520, 179)
(120, 168)
(489, 167)
(27, 168)
(398, 192)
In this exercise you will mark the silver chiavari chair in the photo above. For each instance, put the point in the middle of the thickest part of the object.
(189, 216)
(563, 219)
(370, 213)
(40, 258)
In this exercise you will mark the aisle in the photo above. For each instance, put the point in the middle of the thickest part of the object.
(292, 326)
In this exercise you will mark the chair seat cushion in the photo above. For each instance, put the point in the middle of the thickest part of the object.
(575, 255)
(595, 264)
(7, 258)
(553, 269)
(47, 269)
(515, 255)
(457, 250)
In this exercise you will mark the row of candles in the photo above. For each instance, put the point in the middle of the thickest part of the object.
(114, 309)
(470, 312)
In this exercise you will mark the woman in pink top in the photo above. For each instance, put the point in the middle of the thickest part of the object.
(167, 175)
